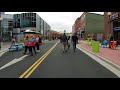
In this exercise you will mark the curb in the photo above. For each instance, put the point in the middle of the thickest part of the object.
(107, 61)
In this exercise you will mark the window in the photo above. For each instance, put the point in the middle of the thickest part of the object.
(34, 24)
(34, 19)
(18, 20)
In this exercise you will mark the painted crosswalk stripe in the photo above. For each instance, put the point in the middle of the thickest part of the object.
(13, 62)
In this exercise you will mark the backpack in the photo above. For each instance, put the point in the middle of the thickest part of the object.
(64, 38)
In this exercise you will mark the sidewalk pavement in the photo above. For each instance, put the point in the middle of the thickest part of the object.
(5, 46)
(109, 55)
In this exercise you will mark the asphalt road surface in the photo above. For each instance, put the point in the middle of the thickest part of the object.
(51, 62)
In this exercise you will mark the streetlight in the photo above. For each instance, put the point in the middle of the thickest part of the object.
(79, 32)
(0, 32)
(109, 14)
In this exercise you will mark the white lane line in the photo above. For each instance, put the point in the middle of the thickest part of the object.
(1, 53)
(13, 62)
(105, 64)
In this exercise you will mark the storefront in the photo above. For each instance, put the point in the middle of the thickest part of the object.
(114, 19)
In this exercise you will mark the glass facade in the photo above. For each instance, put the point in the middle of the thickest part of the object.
(16, 21)
(7, 26)
(31, 20)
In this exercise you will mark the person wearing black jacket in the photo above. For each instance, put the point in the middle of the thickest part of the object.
(64, 42)
(68, 42)
(74, 40)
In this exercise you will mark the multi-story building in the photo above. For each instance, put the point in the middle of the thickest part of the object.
(6, 26)
(89, 25)
(112, 25)
(32, 21)
(42, 26)
(73, 28)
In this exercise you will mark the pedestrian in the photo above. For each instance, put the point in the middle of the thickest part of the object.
(68, 42)
(74, 41)
(37, 43)
(64, 42)
(32, 44)
(40, 41)
(61, 39)
(26, 43)
(111, 39)
(13, 41)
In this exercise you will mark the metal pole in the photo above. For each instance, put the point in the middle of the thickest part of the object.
(0, 35)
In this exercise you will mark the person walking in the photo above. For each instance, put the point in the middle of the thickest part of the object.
(13, 41)
(68, 42)
(26, 43)
(74, 41)
(37, 43)
(64, 42)
(60, 39)
(32, 44)
(40, 41)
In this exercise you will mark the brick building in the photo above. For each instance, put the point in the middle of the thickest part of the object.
(112, 25)
(89, 25)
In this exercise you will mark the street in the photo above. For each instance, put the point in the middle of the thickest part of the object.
(51, 62)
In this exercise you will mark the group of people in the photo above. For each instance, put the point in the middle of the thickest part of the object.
(65, 42)
(32, 42)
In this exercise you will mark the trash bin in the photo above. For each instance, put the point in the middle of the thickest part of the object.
(95, 46)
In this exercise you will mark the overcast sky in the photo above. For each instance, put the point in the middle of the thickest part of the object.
(59, 21)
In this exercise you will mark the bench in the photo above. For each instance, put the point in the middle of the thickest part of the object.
(16, 47)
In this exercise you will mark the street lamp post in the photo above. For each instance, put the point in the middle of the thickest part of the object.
(0, 33)
(79, 32)
(109, 14)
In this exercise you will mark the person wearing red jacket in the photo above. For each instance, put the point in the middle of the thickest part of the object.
(32, 42)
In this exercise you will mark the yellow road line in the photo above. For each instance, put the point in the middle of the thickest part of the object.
(32, 66)
(33, 69)
(37, 63)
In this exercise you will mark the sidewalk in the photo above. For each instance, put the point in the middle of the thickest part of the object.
(106, 53)
(5, 46)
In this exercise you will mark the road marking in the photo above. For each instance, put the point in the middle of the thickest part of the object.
(103, 63)
(13, 62)
(3, 52)
(28, 72)
(33, 69)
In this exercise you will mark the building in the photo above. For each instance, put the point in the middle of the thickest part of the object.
(30, 21)
(89, 25)
(6, 26)
(55, 34)
(112, 25)
(73, 28)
